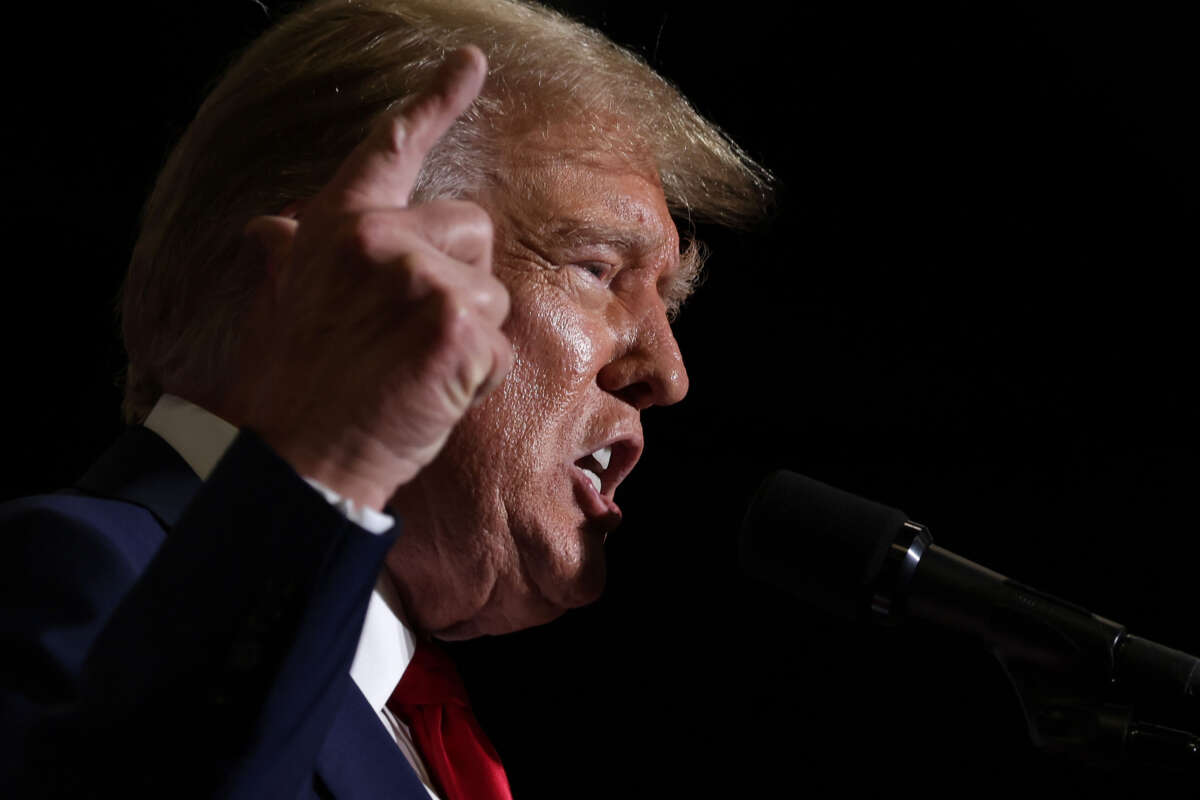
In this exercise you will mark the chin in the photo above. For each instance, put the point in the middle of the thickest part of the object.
(537, 608)
(474, 628)
(577, 582)
(585, 589)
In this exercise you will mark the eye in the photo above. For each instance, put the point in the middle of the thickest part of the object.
(599, 270)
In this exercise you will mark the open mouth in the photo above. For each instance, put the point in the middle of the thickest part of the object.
(598, 474)
(594, 466)
(607, 465)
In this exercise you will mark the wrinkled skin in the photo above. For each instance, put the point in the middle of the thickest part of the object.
(496, 536)
(461, 356)
(378, 323)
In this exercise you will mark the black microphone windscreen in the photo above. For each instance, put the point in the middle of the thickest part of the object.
(821, 544)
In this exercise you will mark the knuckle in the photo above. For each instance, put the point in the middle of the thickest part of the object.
(451, 315)
(468, 217)
(496, 292)
(381, 237)
(501, 302)
(481, 226)
(363, 234)
(393, 130)
(474, 216)
(407, 276)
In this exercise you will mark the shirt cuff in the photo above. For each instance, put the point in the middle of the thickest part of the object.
(364, 516)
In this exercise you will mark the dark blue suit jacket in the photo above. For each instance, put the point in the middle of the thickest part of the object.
(163, 636)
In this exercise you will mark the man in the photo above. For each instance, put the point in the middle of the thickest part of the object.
(401, 293)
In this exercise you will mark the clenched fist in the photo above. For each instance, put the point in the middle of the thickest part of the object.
(379, 321)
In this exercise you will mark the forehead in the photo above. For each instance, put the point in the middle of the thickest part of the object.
(587, 196)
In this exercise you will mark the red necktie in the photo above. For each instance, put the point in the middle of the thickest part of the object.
(431, 700)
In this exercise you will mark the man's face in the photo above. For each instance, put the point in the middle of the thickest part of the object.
(505, 530)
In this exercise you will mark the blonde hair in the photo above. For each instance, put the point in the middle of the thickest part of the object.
(288, 111)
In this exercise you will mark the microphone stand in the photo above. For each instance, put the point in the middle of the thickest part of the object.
(1064, 719)
(1085, 684)
(1081, 679)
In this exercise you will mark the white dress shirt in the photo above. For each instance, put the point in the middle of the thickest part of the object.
(386, 645)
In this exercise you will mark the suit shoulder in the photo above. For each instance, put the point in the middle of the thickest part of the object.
(69, 559)
(70, 523)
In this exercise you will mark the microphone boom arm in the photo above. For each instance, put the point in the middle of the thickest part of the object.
(1079, 676)
(1066, 664)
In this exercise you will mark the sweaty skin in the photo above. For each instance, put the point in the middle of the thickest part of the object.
(498, 532)
(379, 350)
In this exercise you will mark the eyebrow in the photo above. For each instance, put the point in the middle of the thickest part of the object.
(576, 232)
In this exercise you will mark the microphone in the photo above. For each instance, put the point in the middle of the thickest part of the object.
(859, 559)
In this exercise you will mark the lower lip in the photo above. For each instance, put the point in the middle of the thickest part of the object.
(594, 504)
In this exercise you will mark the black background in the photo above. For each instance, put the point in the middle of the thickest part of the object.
(974, 302)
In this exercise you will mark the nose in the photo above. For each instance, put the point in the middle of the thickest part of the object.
(648, 368)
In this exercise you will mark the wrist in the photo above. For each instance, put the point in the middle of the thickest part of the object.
(363, 472)
(366, 518)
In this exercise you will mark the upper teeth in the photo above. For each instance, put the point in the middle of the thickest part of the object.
(603, 456)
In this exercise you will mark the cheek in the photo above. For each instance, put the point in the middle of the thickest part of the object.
(559, 349)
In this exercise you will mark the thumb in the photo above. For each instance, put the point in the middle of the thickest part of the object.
(267, 242)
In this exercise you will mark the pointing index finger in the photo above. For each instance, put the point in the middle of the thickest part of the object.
(381, 171)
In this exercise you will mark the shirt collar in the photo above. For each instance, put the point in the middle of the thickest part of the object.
(198, 435)
(386, 647)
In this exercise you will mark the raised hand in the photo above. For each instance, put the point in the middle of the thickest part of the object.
(379, 321)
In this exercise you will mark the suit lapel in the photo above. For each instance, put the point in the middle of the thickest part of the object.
(141, 468)
(359, 760)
